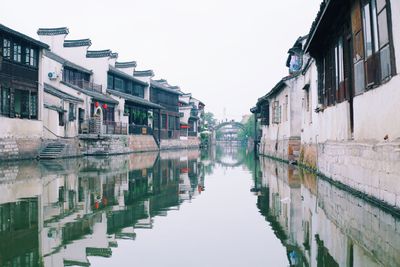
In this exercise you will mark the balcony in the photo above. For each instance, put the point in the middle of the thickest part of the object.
(96, 126)
(86, 85)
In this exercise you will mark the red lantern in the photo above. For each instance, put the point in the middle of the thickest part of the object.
(96, 104)
(105, 106)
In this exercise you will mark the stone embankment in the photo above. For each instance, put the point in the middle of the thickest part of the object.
(86, 145)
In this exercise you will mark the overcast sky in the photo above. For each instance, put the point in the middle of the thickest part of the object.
(227, 53)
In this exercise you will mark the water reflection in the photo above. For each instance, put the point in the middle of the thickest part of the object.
(71, 212)
(321, 225)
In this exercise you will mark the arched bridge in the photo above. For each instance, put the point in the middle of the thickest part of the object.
(228, 131)
(233, 124)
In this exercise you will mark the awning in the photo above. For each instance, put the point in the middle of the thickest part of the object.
(95, 95)
(135, 99)
(122, 74)
(60, 94)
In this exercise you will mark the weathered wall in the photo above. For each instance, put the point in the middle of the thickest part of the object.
(191, 142)
(114, 144)
(369, 167)
(286, 149)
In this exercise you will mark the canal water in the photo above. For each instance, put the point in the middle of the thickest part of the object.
(220, 207)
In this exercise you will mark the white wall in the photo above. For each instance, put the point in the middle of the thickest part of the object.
(56, 42)
(20, 128)
(376, 112)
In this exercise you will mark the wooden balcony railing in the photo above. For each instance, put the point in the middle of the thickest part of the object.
(96, 126)
(86, 85)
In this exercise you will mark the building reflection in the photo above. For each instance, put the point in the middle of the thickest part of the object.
(59, 213)
(321, 225)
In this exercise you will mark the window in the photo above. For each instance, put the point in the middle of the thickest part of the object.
(110, 81)
(129, 87)
(118, 84)
(378, 65)
(61, 121)
(171, 123)
(286, 108)
(6, 49)
(27, 56)
(33, 57)
(71, 113)
(17, 52)
(163, 121)
(138, 90)
(276, 112)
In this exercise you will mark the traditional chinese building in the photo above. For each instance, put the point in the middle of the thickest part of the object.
(21, 94)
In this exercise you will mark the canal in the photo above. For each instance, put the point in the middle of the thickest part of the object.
(220, 207)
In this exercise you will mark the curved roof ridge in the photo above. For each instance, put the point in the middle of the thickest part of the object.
(77, 43)
(98, 53)
(143, 73)
(53, 31)
(126, 64)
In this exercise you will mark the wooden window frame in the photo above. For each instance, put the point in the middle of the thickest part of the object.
(373, 63)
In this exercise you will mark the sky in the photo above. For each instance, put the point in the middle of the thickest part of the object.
(227, 53)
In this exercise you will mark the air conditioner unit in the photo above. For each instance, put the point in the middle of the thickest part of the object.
(52, 75)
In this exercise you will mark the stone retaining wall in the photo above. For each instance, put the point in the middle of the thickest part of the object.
(371, 168)
(16, 149)
(286, 149)
(191, 142)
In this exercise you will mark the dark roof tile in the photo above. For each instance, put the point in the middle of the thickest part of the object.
(128, 64)
(98, 53)
(77, 43)
(53, 31)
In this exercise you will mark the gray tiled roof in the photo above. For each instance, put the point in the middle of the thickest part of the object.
(23, 36)
(65, 62)
(129, 64)
(160, 86)
(53, 31)
(98, 53)
(60, 94)
(161, 81)
(135, 99)
(144, 73)
(278, 87)
(122, 74)
(93, 94)
(76, 43)
(114, 55)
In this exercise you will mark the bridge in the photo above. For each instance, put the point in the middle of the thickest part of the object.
(227, 131)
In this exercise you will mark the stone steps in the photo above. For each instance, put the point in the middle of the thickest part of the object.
(52, 151)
